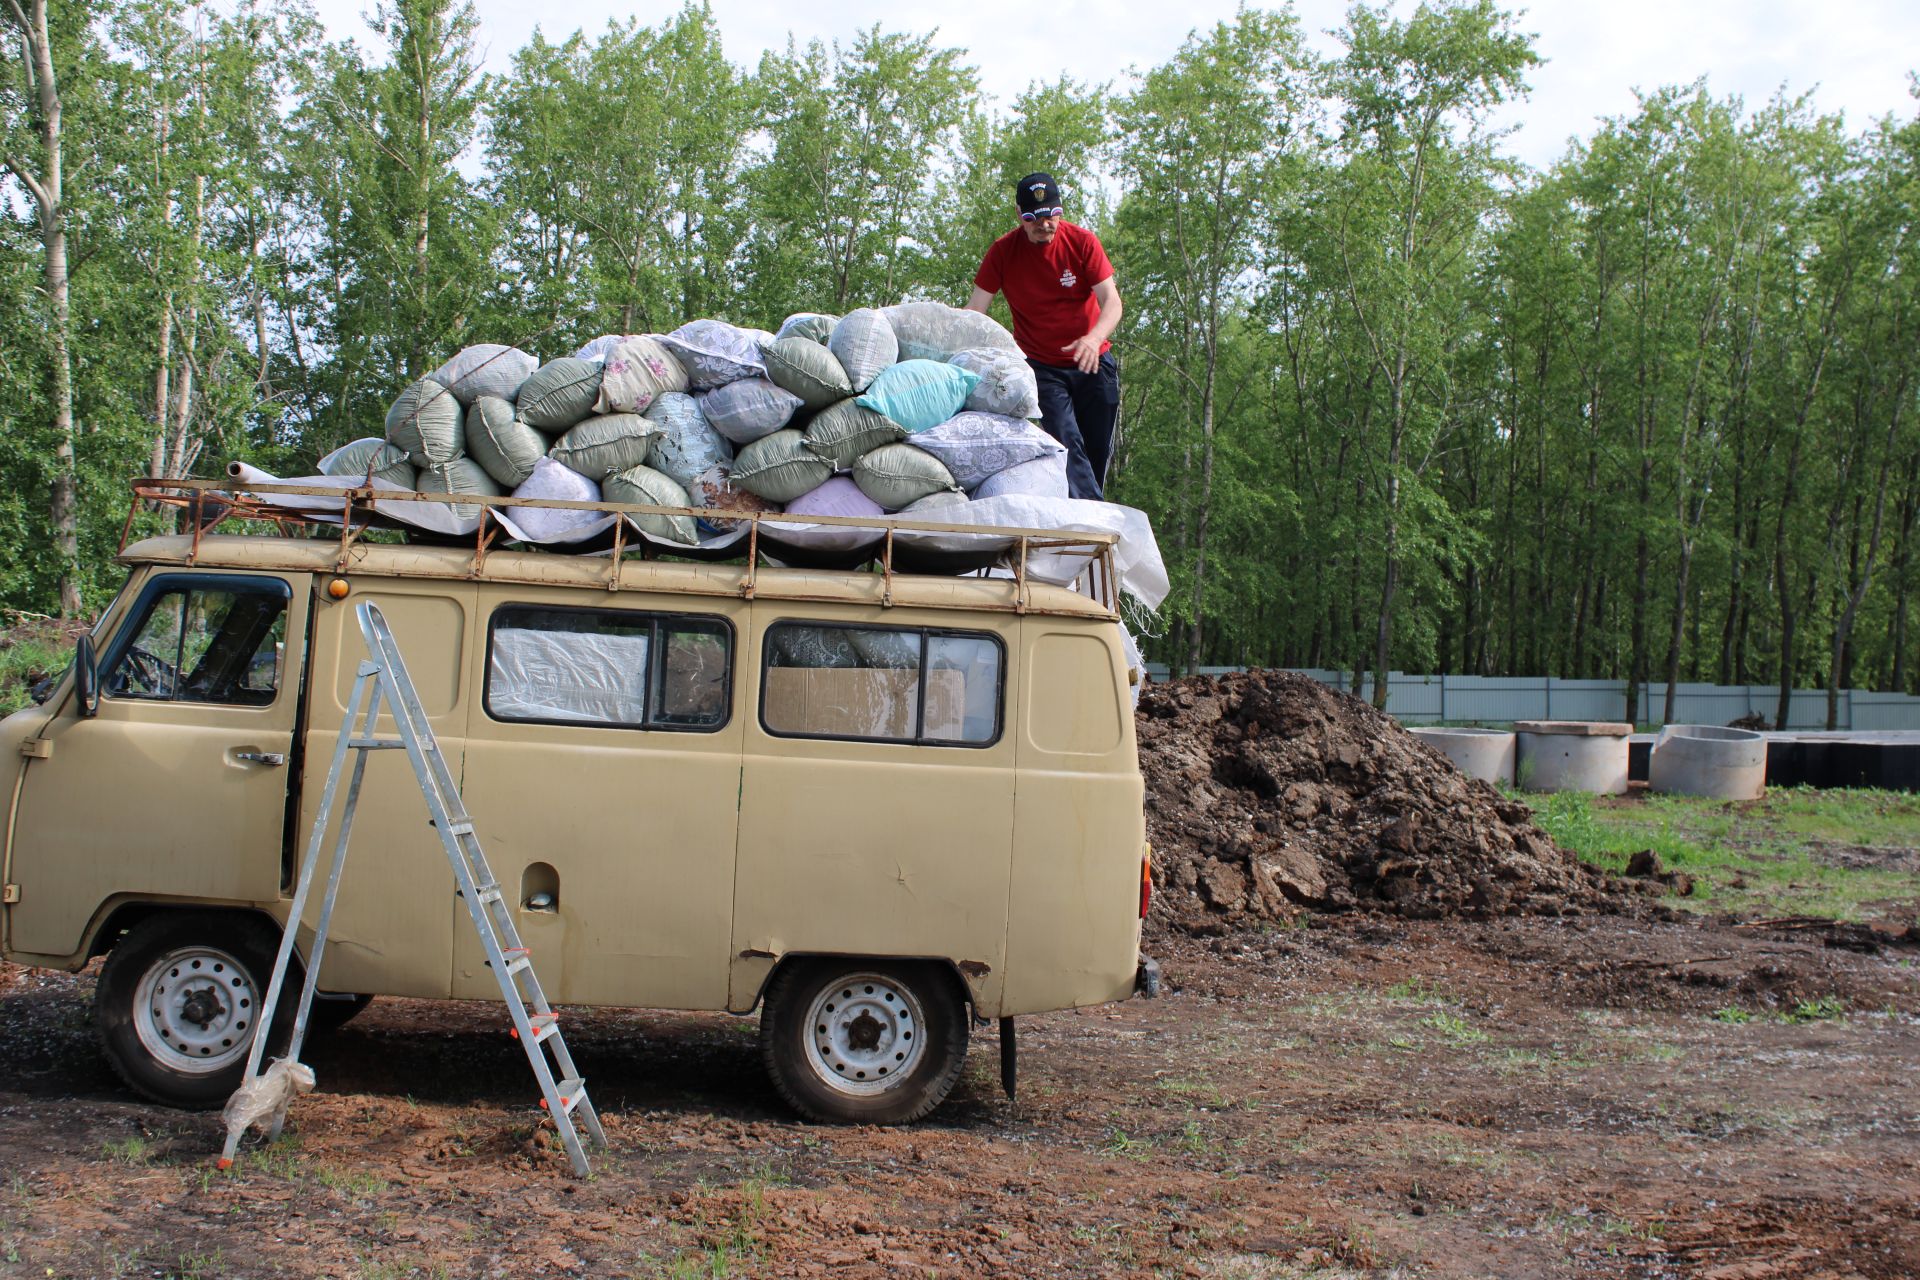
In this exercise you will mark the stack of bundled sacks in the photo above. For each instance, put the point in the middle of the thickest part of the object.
(904, 409)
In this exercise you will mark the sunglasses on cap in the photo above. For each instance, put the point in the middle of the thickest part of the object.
(1037, 214)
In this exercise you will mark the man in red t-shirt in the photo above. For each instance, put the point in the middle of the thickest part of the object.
(1060, 288)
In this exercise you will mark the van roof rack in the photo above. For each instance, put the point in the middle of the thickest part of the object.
(205, 505)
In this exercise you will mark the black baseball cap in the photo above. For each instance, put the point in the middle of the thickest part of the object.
(1037, 191)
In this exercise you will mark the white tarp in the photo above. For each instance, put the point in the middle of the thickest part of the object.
(1136, 557)
(567, 675)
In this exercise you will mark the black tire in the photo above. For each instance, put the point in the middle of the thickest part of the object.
(864, 1042)
(331, 1011)
(176, 1001)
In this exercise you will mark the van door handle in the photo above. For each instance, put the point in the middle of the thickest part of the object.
(261, 757)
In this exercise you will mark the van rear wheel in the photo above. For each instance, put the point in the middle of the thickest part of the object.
(850, 1041)
(177, 1003)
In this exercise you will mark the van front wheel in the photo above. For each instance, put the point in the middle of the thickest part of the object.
(177, 1003)
(863, 1043)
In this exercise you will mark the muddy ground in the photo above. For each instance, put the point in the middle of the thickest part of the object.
(1405, 1034)
(1350, 1097)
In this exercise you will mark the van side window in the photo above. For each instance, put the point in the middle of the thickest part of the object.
(881, 684)
(203, 643)
(608, 667)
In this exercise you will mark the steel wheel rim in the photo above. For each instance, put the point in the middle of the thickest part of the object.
(865, 1033)
(194, 1010)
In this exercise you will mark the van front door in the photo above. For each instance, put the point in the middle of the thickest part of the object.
(177, 789)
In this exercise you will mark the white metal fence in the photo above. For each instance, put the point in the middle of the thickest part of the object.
(1419, 699)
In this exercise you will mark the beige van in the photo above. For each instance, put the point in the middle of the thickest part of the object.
(867, 805)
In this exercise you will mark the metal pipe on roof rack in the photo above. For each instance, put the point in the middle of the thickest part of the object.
(753, 559)
(886, 573)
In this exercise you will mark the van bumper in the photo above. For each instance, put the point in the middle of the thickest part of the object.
(1146, 979)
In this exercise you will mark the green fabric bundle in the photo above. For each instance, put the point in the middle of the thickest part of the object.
(425, 421)
(898, 475)
(780, 467)
(500, 442)
(643, 486)
(560, 393)
(606, 445)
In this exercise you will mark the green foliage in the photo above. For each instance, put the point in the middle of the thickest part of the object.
(844, 206)
(26, 660)
(1390, 399)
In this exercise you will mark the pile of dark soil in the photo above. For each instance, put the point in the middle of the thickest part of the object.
(1269, 794)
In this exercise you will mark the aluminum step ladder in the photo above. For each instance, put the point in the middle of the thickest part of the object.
(563, 1093)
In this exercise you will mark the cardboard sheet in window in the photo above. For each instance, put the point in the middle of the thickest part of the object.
(863, 702)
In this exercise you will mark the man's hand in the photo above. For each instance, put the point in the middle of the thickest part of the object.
(1085, 352)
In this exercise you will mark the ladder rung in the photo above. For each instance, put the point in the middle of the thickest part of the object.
(457, 826)
(543, 1024)
(490, 894)
(377, 744)
(572, 1090)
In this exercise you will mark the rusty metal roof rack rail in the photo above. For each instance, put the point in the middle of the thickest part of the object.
(207, 504)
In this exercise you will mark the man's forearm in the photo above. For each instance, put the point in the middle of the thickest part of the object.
(980, 300)
(1109, 319)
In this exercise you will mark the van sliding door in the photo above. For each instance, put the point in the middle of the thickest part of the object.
(392, 929)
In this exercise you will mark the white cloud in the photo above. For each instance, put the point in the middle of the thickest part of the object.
(1857, 52)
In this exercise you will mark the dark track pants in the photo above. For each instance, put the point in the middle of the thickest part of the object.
(1078, 409)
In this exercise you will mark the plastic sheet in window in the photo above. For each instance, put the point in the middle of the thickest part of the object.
(567, 675)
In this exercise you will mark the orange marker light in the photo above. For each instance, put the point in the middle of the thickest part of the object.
(1146, 882)
(338, 589)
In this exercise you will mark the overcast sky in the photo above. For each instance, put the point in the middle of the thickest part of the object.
(1855, 53)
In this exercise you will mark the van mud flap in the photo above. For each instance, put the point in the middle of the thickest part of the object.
(1009, 1056)
(1146, 979)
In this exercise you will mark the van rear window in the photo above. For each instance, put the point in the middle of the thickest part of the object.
(608, 667)
(881, 684)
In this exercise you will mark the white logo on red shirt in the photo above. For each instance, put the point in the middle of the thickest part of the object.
(1068, 279)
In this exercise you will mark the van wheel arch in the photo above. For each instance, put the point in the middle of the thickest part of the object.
(961, 991)
(127, 916)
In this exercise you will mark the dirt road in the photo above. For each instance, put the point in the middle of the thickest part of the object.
(1511, 1098)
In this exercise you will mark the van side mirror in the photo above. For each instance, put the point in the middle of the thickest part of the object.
(86, 678)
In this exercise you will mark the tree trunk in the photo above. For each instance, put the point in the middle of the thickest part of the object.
(423, 211)
(162, 389)
(1679, 627)
(1843, 627)
(1902, 587)
(1196, 635)
(189, 338)
(47, 189)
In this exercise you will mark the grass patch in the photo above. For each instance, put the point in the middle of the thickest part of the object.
(354, 1184)
(1771, 857)
(1455, 1030)
(128, 1151)
(1121, 1143)
(1825, 1009)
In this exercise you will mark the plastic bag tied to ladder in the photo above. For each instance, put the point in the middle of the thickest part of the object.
(263, 1100)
